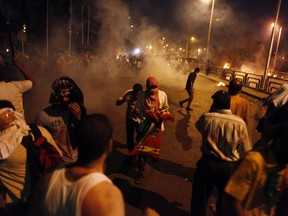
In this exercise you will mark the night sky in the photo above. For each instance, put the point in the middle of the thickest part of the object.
(243, 18)
(163, 13)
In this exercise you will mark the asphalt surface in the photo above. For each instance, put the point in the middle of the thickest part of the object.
(167, 183)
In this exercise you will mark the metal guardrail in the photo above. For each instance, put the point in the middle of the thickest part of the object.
(249, 79)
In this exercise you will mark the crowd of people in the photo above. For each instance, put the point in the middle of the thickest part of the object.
(253, 179)
(82, 141)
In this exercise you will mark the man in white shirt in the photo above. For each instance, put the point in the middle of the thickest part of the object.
(82, 188)
(14, 166)
(224, 141)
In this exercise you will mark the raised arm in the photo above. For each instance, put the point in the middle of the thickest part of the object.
(27, 75)
(126, 97)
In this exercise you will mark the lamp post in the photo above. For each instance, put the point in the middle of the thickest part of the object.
(277, 47)
(88, 28)
(70, 27)
(209, 31)
(187, 43)
(47, 28)
(271, 46)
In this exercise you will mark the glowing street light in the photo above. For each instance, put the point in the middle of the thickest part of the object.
(271, 46)
(209, 31)
(277, 47)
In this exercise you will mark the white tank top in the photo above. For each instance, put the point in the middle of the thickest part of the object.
(64, 197)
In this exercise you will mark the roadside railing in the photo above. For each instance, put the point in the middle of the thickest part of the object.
(249, 79)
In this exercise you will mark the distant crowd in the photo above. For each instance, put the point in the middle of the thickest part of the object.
(56, 165)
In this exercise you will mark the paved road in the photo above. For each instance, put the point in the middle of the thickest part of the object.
(167, 184)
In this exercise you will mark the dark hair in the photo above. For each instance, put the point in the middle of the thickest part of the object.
(221, 100)
(137, 87)
(235, 86)
(93, 133)
(6, 104)
(197, 69)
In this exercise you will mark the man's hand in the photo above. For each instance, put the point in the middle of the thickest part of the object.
(6, 119)
(75, 109)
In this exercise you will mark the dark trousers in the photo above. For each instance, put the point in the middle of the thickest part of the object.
(210, 172)
(131, 127)
(189, 99)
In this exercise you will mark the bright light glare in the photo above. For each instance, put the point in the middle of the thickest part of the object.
(136, 51)
(226, 66)
(24, 28)
(7, 50)
(206, 1)
(221, 84)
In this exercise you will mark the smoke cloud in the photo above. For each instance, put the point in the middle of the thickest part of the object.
(125, 25)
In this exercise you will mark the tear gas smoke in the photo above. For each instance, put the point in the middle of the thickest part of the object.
(232, 34)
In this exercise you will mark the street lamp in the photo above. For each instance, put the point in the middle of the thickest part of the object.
(209, 31)
(271, 46)
(277, 47)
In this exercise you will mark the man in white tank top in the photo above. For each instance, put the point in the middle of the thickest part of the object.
(82, 188)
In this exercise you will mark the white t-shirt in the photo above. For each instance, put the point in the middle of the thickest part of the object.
(13, 91)
(13, 169)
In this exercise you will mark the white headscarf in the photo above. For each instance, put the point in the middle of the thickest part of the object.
(12, 136)
(279, 97)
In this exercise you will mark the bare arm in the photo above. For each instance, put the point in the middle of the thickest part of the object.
(122, 100)
(24, 71)
(104, 199)
(231, 206)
